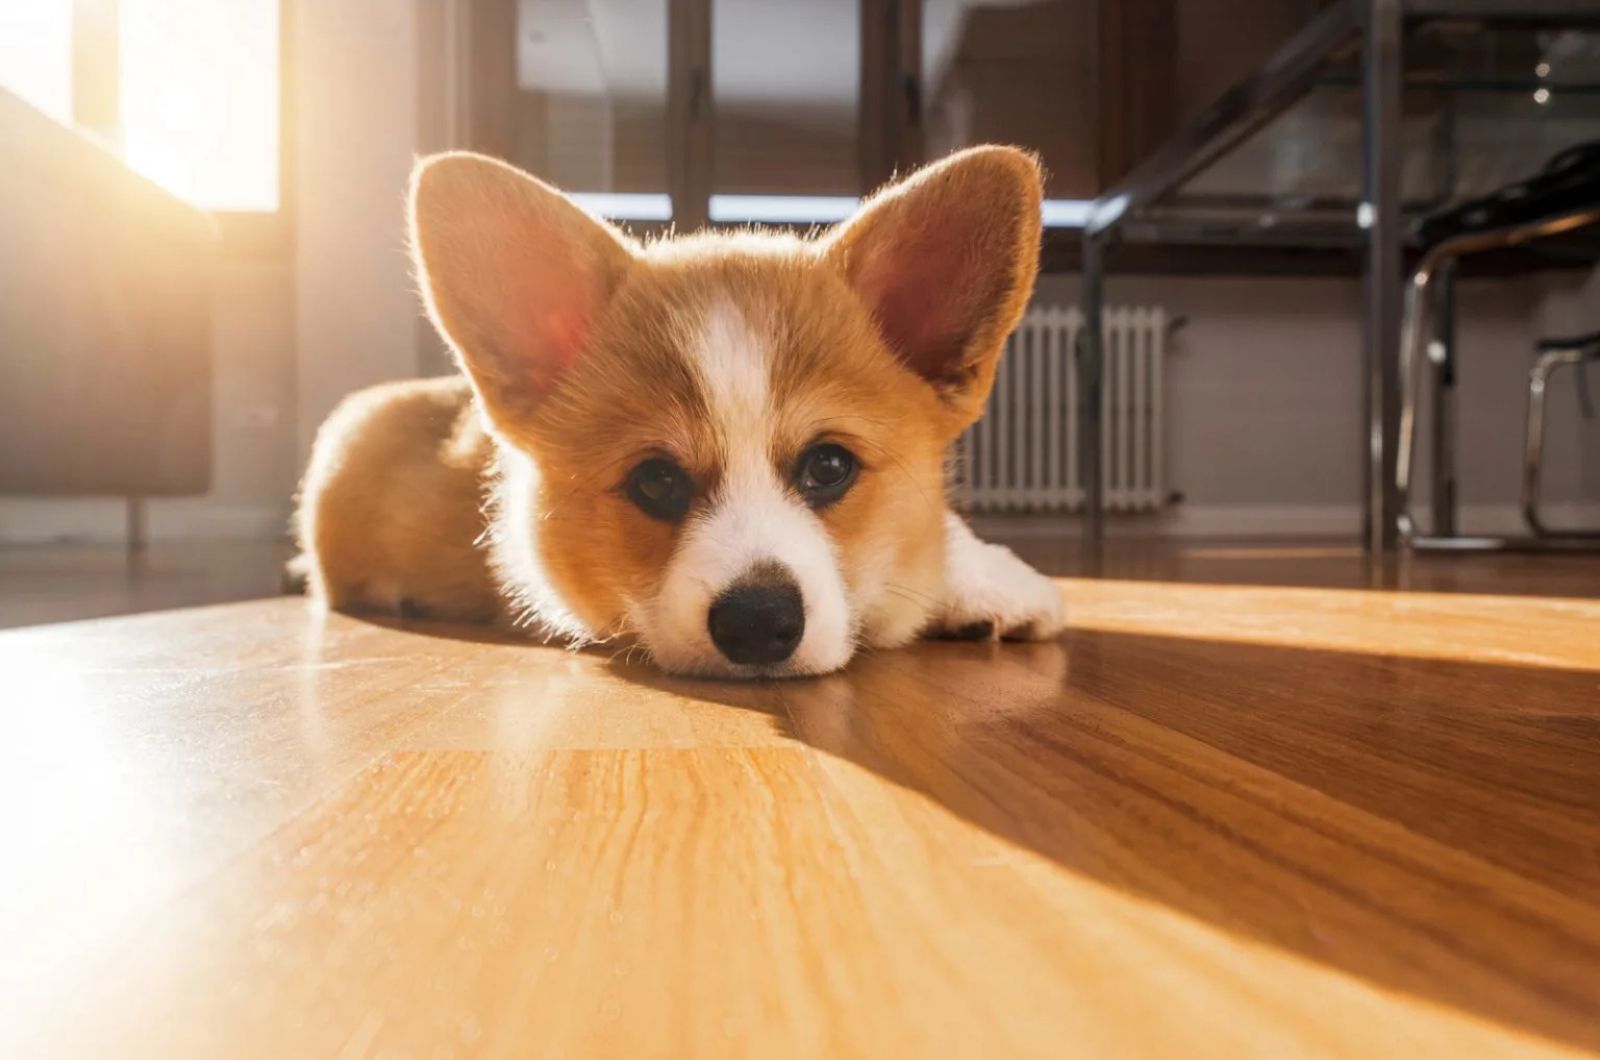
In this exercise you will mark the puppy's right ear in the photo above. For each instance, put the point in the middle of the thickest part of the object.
(513, 274)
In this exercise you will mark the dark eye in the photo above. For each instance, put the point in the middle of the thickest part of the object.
(825, 473)
(661, 489)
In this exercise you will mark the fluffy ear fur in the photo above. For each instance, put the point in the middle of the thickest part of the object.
(513, 274)
(945, 260)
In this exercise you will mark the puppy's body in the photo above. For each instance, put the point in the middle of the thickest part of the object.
(391, 513)
(728, 449)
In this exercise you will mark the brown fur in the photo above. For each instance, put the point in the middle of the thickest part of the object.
(832, 381)
(390, 508)
(884, 337)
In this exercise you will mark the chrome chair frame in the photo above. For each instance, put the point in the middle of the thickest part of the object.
(1555, 355)
(1426, 336)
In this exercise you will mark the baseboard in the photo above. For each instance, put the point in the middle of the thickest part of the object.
(1277, 520)
(102, 520)
(1187, 520)
(1497, 520)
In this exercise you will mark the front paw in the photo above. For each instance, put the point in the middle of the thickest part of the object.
(991, 593)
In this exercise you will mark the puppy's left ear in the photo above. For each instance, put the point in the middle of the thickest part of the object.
(945, 261)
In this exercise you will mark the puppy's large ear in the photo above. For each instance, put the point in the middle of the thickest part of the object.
(945, 260)
(513, 275)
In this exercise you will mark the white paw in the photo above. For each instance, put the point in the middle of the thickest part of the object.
(989, 593)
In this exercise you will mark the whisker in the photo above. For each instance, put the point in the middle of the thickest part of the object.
(905, 592)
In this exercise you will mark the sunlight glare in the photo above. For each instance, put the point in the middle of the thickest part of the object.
(1550, 632)
(36, 54)
(199, 90)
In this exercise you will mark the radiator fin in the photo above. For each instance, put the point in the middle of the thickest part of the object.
(1022, 456)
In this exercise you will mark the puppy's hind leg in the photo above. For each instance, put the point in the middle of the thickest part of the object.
(358, 593)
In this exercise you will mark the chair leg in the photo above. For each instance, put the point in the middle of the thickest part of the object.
(1420, 307)
(135, 538)
(1442, 354)
(1416, 324)
(1533, 447)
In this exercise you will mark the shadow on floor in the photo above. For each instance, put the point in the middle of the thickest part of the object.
(1428, 825)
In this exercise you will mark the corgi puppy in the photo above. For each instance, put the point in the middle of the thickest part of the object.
(727, 449)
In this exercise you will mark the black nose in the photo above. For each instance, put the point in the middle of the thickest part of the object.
(758, 622)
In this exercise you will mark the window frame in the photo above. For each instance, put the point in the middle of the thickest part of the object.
(890, 113)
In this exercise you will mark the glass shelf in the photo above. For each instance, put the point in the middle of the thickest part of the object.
(1484, 104)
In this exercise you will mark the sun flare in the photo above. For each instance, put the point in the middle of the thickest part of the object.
(199, 92)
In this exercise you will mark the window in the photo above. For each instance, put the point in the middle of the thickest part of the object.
(189, 90)
(36, 54)
(786, 83)
(781, 129)
(589, 104)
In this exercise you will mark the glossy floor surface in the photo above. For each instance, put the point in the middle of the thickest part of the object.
(61, 582)
(1217, 819)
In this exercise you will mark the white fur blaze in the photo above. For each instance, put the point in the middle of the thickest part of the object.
(988, 586)
(754, 520)
(732, 362)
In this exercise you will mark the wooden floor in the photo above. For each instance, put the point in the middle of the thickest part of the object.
(1219, 818)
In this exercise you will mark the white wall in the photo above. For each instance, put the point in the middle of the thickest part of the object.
(357, 137)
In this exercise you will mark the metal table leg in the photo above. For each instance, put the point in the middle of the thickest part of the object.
(1091, 382)
(1380, 148)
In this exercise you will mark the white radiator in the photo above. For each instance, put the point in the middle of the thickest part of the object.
(1023, 454)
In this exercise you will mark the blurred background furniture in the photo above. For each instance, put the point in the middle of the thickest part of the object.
(1553, 354)
(1376, 112)
(105, 341)
(292, 128)
(1559, 203)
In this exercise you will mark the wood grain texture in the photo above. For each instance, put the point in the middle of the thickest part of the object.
(1214, 820)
